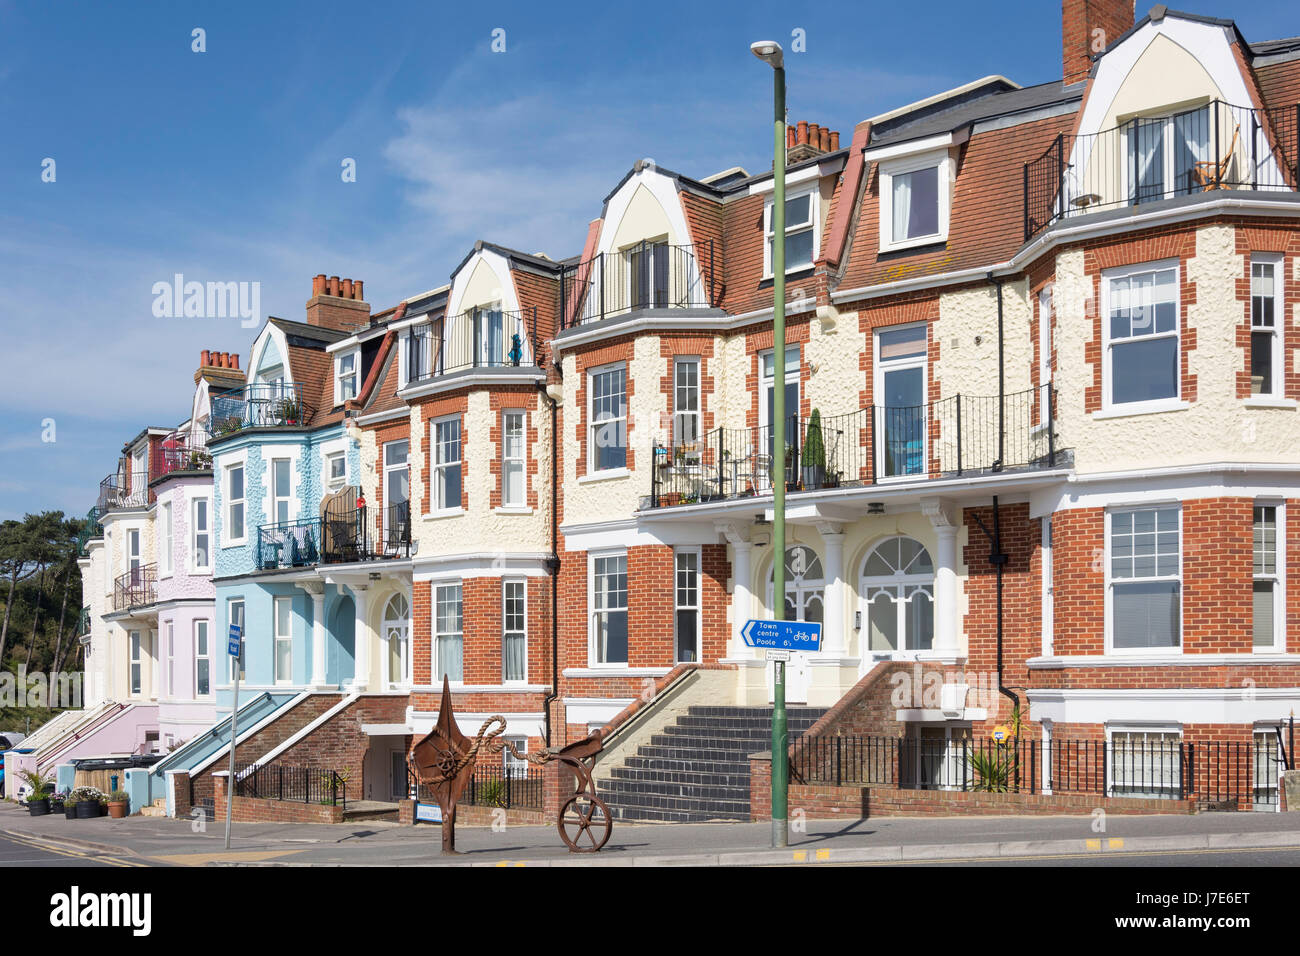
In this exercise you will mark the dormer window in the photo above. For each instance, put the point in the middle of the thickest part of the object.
(914, 201)
(800, 233)
(345, 377)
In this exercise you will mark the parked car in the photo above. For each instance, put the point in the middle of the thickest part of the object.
(9, 739)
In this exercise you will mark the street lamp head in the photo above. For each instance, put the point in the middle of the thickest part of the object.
(769, 51)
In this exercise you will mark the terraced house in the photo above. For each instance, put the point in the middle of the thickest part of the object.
(1041, 458)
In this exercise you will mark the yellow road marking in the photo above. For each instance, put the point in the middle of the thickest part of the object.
(823, 854)
(234, 856)
(36, 843)
(1092, 844)
(1116, 843)
(800, 856)
(1073, 856)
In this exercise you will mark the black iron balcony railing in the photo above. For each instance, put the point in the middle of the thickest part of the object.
(180, 451)
(90, 528)
(480, 338)
(1213, 147)
(649, 275)
(135, 588)
(265, 405)
(343, 535)
(962, 435)
(123, 489)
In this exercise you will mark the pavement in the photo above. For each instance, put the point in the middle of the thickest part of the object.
(1203, 839)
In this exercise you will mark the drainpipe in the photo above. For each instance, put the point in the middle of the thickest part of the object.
(998, 558)
(1002, 388)
(553, 566)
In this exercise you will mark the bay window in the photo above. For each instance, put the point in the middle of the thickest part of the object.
(235, 530)
(1142, 339)
(1266, 313)
(1145, 584)
(608, 609)
(446, 464)
(512, 459)
(608, 417)
(1266, 619)
(514, 636)
(448, 634)
(687, 590)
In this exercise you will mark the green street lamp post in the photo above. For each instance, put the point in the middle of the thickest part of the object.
(769, 51)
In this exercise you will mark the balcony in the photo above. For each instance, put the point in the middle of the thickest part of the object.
(343, 536)
(954, 437)
(477, 339)
(266, 405)
(180, 451)
(123, 489)
(136, 588)
(649, 275)
(90, 528)
(1205, 150)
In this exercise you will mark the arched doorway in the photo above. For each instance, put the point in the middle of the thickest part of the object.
(395, 630)
(897, 592)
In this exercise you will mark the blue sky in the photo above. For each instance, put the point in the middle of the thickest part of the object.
(225, 165)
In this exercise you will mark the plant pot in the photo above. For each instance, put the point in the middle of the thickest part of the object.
(814, 476)
(70, 810)
(117, 809)
(38, 808)
(87, 809)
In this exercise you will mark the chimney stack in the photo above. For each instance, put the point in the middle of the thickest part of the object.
(806, 140)
(1088, 27)
(219, 368)
(337, 304)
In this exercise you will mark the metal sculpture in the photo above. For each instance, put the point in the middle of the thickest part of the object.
(444, 761)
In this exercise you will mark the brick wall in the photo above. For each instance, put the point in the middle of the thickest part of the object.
(251, 810)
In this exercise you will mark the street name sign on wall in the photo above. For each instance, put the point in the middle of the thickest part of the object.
(783, 635)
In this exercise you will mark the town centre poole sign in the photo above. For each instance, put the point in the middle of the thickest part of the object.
(783, 635)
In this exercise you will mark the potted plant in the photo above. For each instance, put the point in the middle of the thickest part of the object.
(288, 411)
(117, 804)
(87, 801)
(38, 803)
(226, 426)
(70, 805)
(56, 802)
(814, 453)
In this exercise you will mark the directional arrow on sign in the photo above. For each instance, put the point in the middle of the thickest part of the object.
(783, 635)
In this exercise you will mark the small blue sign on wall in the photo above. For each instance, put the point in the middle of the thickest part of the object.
(428, 813)
(783, 635)
(233, 646)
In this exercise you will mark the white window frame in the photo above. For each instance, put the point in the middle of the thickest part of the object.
(511, 765)
(813, 192)
(343, 375)
(509, 461)
(403, 680)
(203, 627)
(506, 585)
(940, 158)
(900, 588)
(437, 635)
(681, 415)
(171, 658)
(164, 523)
(333, 482)
(593, 426)
(1109, 603)
(240, 662)
(135, 674)
(697, 608)
(273, 498)
(439, 506)
(1046, 304)
(230, 502)
(879, 368)
(281, 638)
(1112, 764)
(1107, 343)
(593, 655)
(1278, 577)
(134, 550)
(1277, 357)
(194, 532)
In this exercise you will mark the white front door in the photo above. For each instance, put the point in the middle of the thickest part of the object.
(805, 599)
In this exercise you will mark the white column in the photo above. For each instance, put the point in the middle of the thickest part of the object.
(941, 516)
(317, 592)
(361, 636)
(833, 642)
(742, 599)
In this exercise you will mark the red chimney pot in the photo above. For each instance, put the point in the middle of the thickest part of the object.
(802, 134)
(203, 359)
(356, 288)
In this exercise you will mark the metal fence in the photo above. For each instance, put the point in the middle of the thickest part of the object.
(293, 784)
(1212, 147)
(517, 787)
(264, 405)
(480, 338)
(1224, 774)
(136, 587)
(346, 533)
(648, 275)
(959, 435)
(123, 489)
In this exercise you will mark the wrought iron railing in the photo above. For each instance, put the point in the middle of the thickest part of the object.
(1230, 774)
(480, 338)
(266, 405)
(344, 534)
(648, 275)
(1212, 147)
(958, 436)
(83, 621)
(90, 528)
(293, 784)
(518, 787)
(180, 451)
(124, 489)
(136, 587)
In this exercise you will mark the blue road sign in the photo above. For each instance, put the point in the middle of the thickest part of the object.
(783, 635)
(232, 646)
